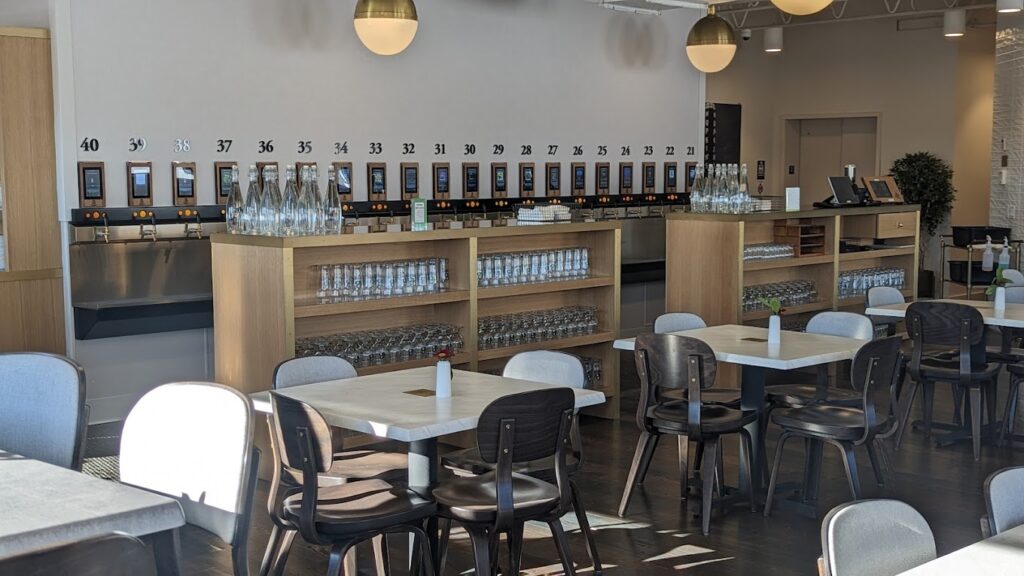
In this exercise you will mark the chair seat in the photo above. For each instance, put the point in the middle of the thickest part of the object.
(469, 460)
(361, 506)
(839, 422)
(1015, 369)
(714, 418)
(475, 499)
(795, 395)
(725, 396)
(360, 465)
(948, 370)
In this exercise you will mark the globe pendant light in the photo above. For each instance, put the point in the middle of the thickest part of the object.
(711, 44)
(386, 27)
(801, 7)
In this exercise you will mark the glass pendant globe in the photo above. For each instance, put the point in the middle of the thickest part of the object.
(386, 27)
(801, 7)
(711, 43)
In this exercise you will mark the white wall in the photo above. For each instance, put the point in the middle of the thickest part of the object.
(483, 72)
(24, 13)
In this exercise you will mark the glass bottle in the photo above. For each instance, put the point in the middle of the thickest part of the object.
(306, 216)
(744, 190)
(251, 211)
(290, 214)
(316, 200)
(334, 220)
(270, 203)
(734, 189)
(697, 189)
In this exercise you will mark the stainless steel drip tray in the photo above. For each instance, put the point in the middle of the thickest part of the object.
(153, 301)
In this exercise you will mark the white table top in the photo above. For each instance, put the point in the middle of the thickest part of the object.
(1000, 555)
(380, 404)
(45, 505)
(1012, 317)
(748, 346)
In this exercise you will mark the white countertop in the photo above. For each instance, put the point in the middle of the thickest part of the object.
(381, 405)
(748, 346)
(45, 505)
(1012, 317)
(1000, 555)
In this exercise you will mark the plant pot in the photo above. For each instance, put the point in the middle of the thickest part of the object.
(443, 384)
(1000, 300)
(774, 329)
(925, 283)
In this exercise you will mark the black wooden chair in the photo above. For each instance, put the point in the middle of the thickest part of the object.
(342, 515)
(666, 362)
(967, 371)
(873, 374)
(513, 431)
(109, 555)
(346, 466)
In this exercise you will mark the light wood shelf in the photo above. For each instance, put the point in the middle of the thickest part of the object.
(457, 361)
(754, 265)
(312, 310)
(789, 310)
(543, 288)
(561, 344)
(872, 254)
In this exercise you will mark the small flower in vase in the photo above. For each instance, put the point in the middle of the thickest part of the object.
(444, 354)
(998, 282)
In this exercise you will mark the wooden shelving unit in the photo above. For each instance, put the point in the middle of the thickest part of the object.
(265, 296)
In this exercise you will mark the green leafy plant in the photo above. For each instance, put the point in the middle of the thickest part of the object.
(926, 179)
(997, 282)
(772, 304)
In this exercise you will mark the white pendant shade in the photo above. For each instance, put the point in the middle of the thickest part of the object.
(711, 58)
(801, 7)
(954, 23)
(711, 43)
(386, 27)
(773, 39)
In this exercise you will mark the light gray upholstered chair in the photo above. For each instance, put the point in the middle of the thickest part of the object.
(1014, 276)
(842, 324)
(1003, 500)
(678, 322)
(43, 414)
(884, 296)
(1015, 294)
(192, 441)
(311, 369)
(875, 538)
(555, 368)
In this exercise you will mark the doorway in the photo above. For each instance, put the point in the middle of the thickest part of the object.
(816, 148)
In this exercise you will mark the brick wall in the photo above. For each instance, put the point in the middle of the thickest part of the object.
(1006, 200)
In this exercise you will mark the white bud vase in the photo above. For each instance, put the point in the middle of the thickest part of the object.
(774, 329)
(1000, 304)
(443, 386)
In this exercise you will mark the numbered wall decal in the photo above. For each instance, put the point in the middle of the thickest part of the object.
(499, 180)
(602, 150)
(222, 180)
(92, 185)
(469, 150)
(90, 145)
(140, 183)
(577, 150)
(304, 147)
(408, 148)
(136, 144)
(624, 151)
(442, 180)
(470, 180)
(265, 147)
(648, 150)
(341, 148)
(410, 180)
(182, 145)
(527, 180)
(377, 181)
(602, 179)
(691, 150)
(552, 149)
(342, 180)
(224, 145)
(526, 150)
(670, 150)
(440, 149)
(498, 149)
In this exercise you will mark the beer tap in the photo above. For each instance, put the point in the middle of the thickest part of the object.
(103, 232)
(194, 229)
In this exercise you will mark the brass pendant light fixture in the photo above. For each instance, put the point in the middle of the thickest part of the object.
(801, 7)
(386, 27)
(711, 44)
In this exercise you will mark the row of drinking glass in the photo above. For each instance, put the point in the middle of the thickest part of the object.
(540, 326)
(790, 293)
(853, 283)
(372, 280)
(722, 188)
(300, 211)
(769, 251)
(533, 267)
(387, 346)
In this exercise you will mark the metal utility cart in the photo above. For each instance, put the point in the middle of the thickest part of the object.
(974, 252)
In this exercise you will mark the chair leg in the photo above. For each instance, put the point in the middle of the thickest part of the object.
(273, 545)
(990, 406)
(166, 552)
(495, 542)
(958, 403)
(515, 549)
(641, 460)
(275, 561)
(876, 463)
(446, 534)
(380, 555)
(708, 467)
(927, 404)
(975, 404)
(720, 476)
(850, 463)
(423, 558)
(562, 544)
(1009, 413)
(906, 401)
(887, 468)
(588, 534)
(336, 564)
(645, 464)
(751, 489)
(684, 467)
(775, 474)
(481, 549)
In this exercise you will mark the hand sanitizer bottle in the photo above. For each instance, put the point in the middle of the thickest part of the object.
(988, 257)
(1004, 256)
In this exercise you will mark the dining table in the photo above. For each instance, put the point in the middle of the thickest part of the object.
(749, 348)
(46, 506)
(402, 406)
(1000, 555)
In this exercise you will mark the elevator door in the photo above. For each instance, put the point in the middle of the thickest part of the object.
(825, 146)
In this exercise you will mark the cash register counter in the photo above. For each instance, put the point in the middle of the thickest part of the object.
(706, 272)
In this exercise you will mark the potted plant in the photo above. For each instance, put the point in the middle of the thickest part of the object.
(998, 290)
(775, 320)
(926, 179)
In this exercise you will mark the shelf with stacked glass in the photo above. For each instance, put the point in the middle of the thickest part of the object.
(721, 265)
(388, 301)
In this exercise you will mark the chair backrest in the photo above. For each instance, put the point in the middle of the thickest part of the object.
(670, 361)
(943, 323)
(292, 420)
(677, 322)
(555, 368)
(192, 441)
(1013, 276)
(43, 415)
(875, 538)
(538, 416)
(874, 371)
(884, 296)
(311, 369)
(1003, 499)
(1015, 294)
(110, 555)
(842, 324)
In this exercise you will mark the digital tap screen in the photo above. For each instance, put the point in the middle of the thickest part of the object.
(671, 176)
(186, 179)
(472, 179)
(93, 188)
(140, 184)
(528, 179)
(579, 178)
(649, 176)
(500, 179)
(345, 180)
(411, 174)
(554, 178)
(604, 176)
(627, 178)
(224, 181)
(377, 182)
(443, 185)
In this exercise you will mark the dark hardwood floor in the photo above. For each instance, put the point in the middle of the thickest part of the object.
(661, 534)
